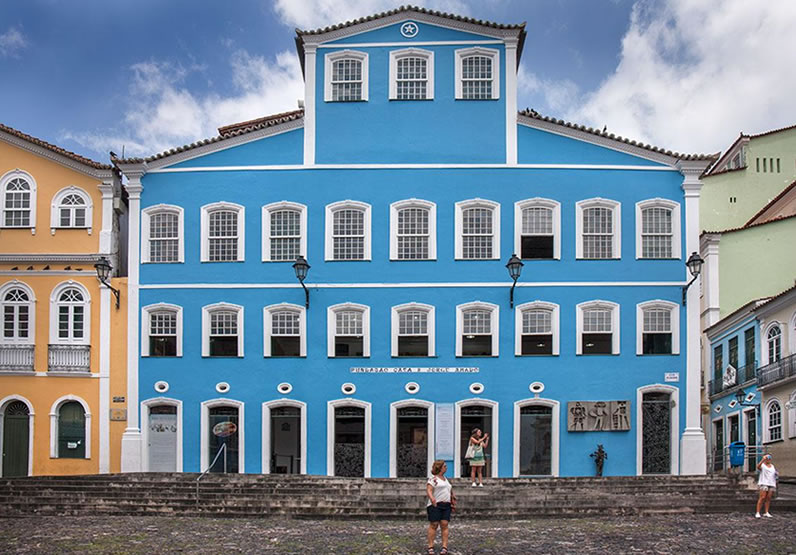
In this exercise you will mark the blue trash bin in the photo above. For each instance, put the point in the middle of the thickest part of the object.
(737, 449)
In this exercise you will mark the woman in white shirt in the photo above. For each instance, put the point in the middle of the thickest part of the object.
(441, 502)
(767, 484)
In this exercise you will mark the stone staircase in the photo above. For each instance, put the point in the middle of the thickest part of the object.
(403, 498)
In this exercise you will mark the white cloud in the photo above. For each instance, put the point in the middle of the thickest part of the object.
(162, 113)
(312, 14)
(692, 75)
(11, 42)
(554, 96)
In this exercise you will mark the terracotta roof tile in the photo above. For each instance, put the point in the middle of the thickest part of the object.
(776, 199)
(533, 114)
(775, 297)
(57, 149)
(771, 132)
(748, 226)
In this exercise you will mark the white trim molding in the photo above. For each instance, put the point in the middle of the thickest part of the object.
(463, 205)
(146, 217)
(331, 209)
(674, 396)
(427, 205)
(266, 428)
(555, 330)
(146, 321)
(537, 202)
(616, 225)
(206, 312)
(490, 53)
(674, 311)
(4, 181)
(55, 209)
(555, 433)
(268, 312)
(766, 424)
(395, 313)
(615, 323)
(205, 432)
(430, 438)
(267, 211)
(4, 402)
(427, 55)
(206, 210)
(494, 311)
(331, 326)
(329, 60)
(145, 412)
(494, 434)
(330, 422)
(676, 237)
(54, 304)
(54, 413)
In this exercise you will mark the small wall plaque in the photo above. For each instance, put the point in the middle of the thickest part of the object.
(598, 416)
(671, 377)
(118, 415)
(118, 399)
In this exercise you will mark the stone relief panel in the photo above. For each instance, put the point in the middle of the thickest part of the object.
(598, 416)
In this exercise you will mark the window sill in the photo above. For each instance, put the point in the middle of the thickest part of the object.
(422, 357)
(597, 354)
(363, 356)
(220, 356)
(657, 354)
(218, 262)
(538, 355)
(284, 356)
(774, 441)
(165, 262)
(477, 356)
(161, 356)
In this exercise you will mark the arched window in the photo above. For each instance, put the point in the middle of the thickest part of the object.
(70, 316)
(477, 228)
(346, 76)
(162, 233)
(223, 231)
(348, 231)
(537, 228)
(285, 331)
(348, 329)
(657, 328)
(537, 329)
(162, 335)
(71, 208)
(773, 421)
(18, 314)
(413, 330)
(598, 328)
(284, 231)
(477, 330)
(774, 341)
(413, 230)
(477, 74)
(598, 229)
(18, 200)
(222, 330)
(657, 229)
(411, 74)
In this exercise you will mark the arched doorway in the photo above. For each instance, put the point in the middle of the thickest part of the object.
(536, 437)
(657, 429)
(470, 414)
(16, 439)
(285, 440)
(223, 427)
(349, 441)
(162, 438)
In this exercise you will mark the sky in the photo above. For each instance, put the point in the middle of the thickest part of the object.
(145, 76)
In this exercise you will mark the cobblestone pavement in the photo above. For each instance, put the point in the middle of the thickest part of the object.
(725, 534)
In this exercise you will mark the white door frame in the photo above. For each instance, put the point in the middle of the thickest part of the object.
(330, 406)
(457, 431)
(3, 405)
(145, 411)
(204, 443)
(266, 450)
(429, 406)
(555, 432)
(674, 411)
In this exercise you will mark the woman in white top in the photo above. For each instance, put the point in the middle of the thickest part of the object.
(767, 484)
(441, 502)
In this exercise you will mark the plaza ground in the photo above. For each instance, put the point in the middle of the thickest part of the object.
(718, 533)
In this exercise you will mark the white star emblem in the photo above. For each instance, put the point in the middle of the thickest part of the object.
(409, 30)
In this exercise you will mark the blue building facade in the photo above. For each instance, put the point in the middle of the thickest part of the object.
(407, 180)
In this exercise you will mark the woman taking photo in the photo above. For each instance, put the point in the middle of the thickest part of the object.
(767, 484)
(440, 504)
(475, 455)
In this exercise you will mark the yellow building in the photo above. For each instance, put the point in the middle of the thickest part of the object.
(63, 342)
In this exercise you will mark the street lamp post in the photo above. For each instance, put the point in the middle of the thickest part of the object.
(103, 267)
(694, 264)
(515, 269)
(301, 266)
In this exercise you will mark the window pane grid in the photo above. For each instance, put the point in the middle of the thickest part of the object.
(346, 80)
(223, 236)
(285, 234)
(598, 233)
(413, 234)
(348, 233)
(774, 422)
(17, 203)
(477, 78)
(163, 323)
(413, 322)
(477, 322)
(537, 221)
(285, 322)
(656, 233)
(477, 233)
(537, 321)
(348, 322)
(657, 320)
(597, 320)
(411, 79)
(224, 323)
(164, 237)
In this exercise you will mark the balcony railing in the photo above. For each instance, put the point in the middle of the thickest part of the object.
(776, 371)
(743, 374)
(16, 358)
(69, 358)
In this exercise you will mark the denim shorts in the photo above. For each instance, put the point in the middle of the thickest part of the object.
(441, 512)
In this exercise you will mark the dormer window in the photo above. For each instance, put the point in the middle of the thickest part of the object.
(411, 74)
(346, 76)
(477, 74)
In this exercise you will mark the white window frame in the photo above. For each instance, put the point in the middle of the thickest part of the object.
(206, 311)
(430, 324)
(616, 210)
(349, 402)
(54, 304)
(146, 409)
(494, 325)
(332, 57)
(55, 209)
(555, 433)
(658, 304)
(205, 229)
(790, 407)
(538, 202)
(204, 458)
(396, 55)
(765, 356)
(4, 181)
(331, 327)
(430, 436)
(54, 413)
(268, 326)
(146, 325)
(397, 206)
(555, 319)
(463, 205)
(146, 222)
(676, 235)
(342, 205)
(674, 437)
(767, 418)
(267, 211)
(266, 432)
(488, 52)
(31, 304)
(615, 329)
